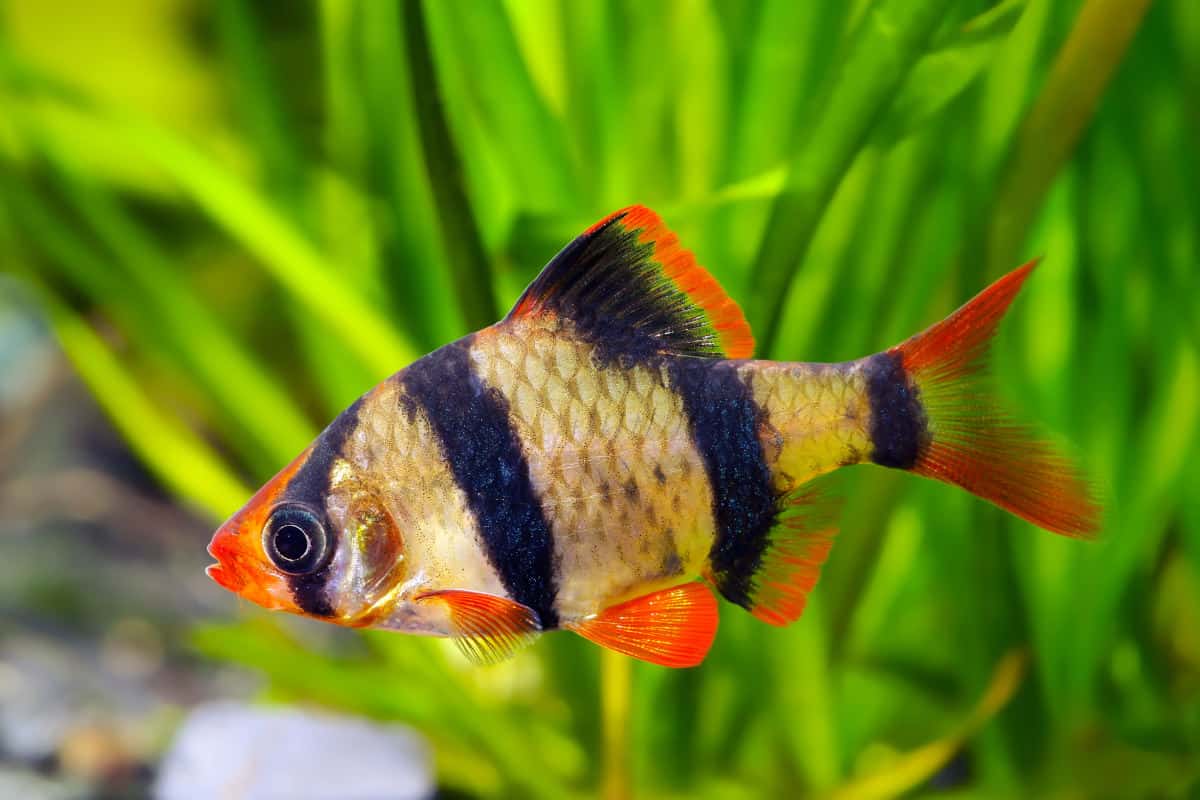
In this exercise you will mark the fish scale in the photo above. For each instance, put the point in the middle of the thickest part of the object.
(391, 451)
(595, 454)
(817, 417)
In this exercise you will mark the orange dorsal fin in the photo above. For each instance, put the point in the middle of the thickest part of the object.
(627, 284)
(488, 628)
(672, 628)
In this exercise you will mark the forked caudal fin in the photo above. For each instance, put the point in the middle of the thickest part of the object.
(934, 413)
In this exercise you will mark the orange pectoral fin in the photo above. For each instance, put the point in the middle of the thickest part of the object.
(488, 629)
(672, 628)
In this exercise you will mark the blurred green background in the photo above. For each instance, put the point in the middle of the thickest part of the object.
(236, 217)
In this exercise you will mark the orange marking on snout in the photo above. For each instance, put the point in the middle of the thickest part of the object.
(242, 566)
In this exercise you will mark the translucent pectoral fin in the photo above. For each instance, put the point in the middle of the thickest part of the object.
(488, 628)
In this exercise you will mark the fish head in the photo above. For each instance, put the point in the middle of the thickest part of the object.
(317, 540)
(240, 547)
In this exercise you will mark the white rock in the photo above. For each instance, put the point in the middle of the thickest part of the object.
(253, 753)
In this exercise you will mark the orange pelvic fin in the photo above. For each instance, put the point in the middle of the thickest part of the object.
(488, 629)
(627, 283)
(672, 628)
(971, 441)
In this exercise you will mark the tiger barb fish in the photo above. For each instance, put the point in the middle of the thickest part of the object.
(608, 453)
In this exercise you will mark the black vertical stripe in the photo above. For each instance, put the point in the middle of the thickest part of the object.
(898, 426)
(725, 422)
(309, 486)
(486, 458)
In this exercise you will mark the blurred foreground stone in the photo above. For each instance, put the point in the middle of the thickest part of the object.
(26, 785)
(254, 753)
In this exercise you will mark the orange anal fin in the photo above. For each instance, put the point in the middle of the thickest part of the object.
(488, 628)
(800, 543)
(672, 628)
(777, 587)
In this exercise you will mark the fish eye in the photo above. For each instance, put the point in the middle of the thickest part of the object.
(295, 541)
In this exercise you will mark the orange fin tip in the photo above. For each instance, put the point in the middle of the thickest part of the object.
(628, 283)
(976, 444)
(672, 628)
(488, 629)
(774, 586)
(800, 543)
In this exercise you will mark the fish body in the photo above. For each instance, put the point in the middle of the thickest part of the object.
(599, 458)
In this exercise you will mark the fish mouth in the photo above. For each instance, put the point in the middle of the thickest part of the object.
(239, 570)
(225, 577)
(232, 570)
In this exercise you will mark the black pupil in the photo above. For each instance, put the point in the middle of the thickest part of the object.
(291, 542)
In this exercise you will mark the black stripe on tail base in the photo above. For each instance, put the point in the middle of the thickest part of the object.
(725, 422)
(485, 456)
(309, 486)
(899, 428)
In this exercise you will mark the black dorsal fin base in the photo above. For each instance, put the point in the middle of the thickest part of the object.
(628, 285)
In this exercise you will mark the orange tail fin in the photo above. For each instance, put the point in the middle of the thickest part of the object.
(944, 423)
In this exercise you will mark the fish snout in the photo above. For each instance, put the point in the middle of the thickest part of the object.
(242, 567)
(227, 572)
